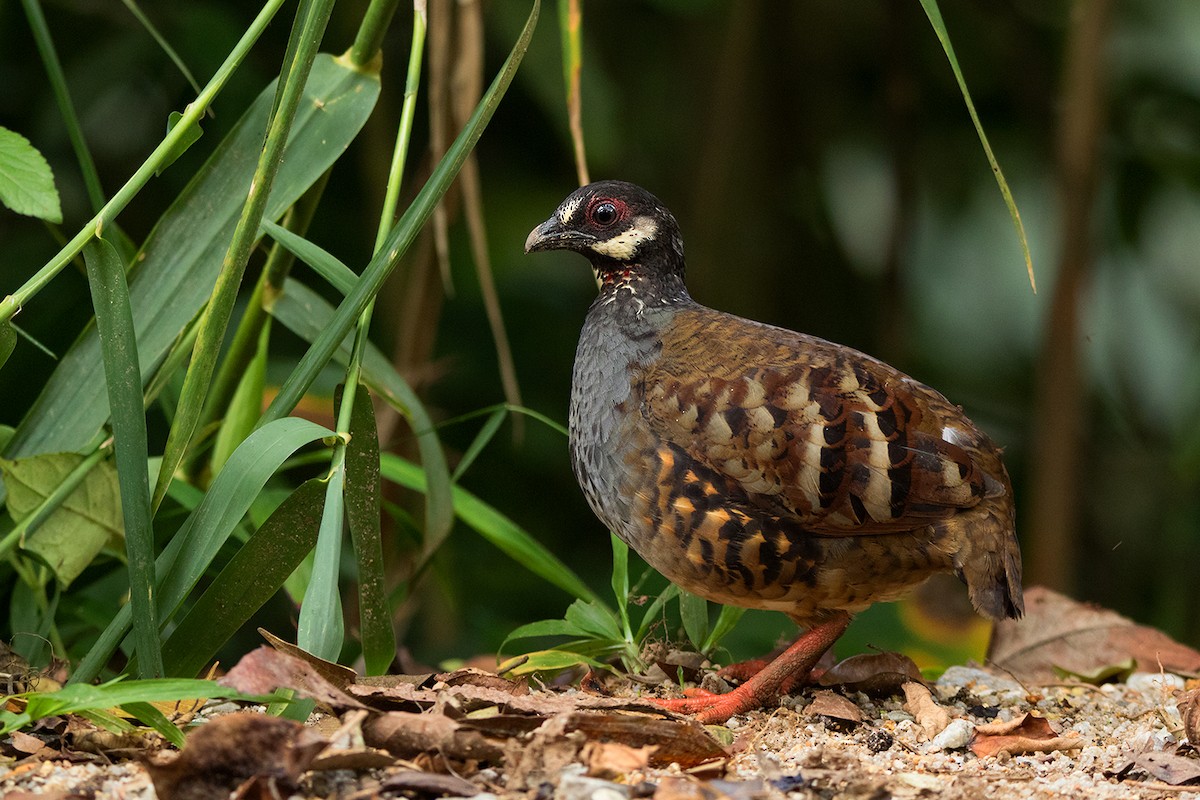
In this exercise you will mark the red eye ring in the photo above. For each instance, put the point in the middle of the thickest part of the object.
(604, 211)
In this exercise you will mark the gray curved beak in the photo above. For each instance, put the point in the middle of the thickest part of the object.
(550, 235)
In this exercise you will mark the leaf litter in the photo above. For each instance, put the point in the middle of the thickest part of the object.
(873, 728)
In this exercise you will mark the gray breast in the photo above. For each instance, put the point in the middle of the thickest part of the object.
(613, 346)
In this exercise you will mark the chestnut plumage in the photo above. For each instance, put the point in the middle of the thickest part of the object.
(761, 467)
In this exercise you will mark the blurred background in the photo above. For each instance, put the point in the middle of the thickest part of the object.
(826, 177)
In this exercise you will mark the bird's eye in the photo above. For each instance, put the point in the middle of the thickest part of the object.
(604, 214)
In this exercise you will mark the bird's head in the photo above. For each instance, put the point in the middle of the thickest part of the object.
(623, 230)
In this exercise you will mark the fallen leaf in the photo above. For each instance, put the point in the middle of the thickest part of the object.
(429, 783)
(873, 673)
(1025, 734)
(405, 734)
(1169, 767)
(675, 741)
(25, 744)
(835, 707)
(1080, 638)
(230, 751)
(1189, 709)
(264, 670)
(612, 760)
(684, 789)
(931, 716)
(336, 674)
(1111, 673)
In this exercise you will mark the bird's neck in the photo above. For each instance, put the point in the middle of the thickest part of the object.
(638, 287)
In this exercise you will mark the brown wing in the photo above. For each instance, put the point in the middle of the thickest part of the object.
(821, 433)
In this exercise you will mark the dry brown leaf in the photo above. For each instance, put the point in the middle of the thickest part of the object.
(675, 741)
(612, 760)
(264, 670)
(429, 783)
(685, 789)
(1025, 734)
(931, 716)
(1080, 638)
(1169, 767)
(25, 744)
(832, 705)
(225, 754)
(1189, 709)
(873, 673)
(406, 735)
(336, 674)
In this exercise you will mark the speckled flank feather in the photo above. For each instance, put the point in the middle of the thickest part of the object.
(762, 467)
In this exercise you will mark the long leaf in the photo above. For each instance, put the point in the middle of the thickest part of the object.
(247, 582)
(183, 562)
(935, 19)
(363, 513)
(181, 258)
(321, 629)
(114, 321)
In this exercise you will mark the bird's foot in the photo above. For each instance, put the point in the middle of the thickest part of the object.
(767, 683)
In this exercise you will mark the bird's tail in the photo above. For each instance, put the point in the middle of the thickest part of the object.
(988, 558)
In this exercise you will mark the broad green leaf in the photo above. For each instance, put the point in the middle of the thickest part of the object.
(247, 582)
(114, 321)
(180, 259)
(498, 529)
(939, 27)
(185, 559)
(694, 612)
(595, 618)
(363, 514)
(545, 627)
(87, 520)
(26, 182)
(8, 341)
(620, 579)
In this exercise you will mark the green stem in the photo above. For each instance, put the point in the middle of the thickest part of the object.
(162, 154)
(311, 19)
(58, 83)
(374, 27)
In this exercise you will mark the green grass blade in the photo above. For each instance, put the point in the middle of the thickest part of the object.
(184, 560)
(162, 43)
(726, 620)
(620, 580)
(307, 315)
(497, 529)
(151, 716)
(324, 263)
(481, 440)
(321, 629)
(311, 18)
(694, 612)
(401, 237)
(363, 513)
(939, 27)
(114, 321)
(247, 582)
(182, 255)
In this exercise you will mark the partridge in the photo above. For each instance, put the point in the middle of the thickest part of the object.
(760, 467)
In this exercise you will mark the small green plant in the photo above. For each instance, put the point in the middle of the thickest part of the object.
(598, 633)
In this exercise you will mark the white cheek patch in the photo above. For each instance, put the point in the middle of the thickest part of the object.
(622, 246)
(567, 210)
